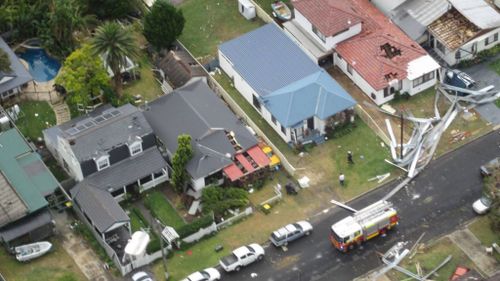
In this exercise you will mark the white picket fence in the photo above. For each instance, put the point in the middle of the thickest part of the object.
(248, 211)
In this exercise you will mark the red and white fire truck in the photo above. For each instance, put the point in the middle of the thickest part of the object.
(363, 225)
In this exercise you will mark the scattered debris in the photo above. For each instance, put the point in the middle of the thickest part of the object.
(380, 178)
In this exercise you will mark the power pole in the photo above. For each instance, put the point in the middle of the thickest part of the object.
(163, 257)
(401, 143)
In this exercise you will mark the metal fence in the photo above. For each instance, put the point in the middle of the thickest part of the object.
(248, 211)
(371, 123)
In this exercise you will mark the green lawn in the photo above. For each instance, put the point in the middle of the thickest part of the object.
(481, 228)
(161, 209)
(147, 86)
(431, 257)
(496, 66)
(56, 266)
(210, 23)
(35, 116)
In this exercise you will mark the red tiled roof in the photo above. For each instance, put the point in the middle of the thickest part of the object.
(363, 51)
(328, 16)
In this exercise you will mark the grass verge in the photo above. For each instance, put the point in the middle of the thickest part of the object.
(56, 265)
(210, 23)
(495, 66)
(481, 228)
(431, 256)
(35, 116)
(160, 208)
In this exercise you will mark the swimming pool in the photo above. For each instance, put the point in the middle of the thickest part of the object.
(42, 67)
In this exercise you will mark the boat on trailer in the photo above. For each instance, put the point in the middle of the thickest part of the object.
(31, 251)
(281, 11)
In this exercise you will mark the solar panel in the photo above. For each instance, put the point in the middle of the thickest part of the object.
(81, 127)
(115, 112)
(107, 116)
(72, 131)
(99, 119)
(89, 124)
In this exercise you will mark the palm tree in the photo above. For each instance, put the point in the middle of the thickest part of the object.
(114, 44)
(4, 62)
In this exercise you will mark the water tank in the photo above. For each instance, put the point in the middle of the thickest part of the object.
(4, 123)
(247, 9)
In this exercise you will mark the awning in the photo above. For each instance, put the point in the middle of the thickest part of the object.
(246, 164)
(25, 225)
(233, 172)
(258, 156)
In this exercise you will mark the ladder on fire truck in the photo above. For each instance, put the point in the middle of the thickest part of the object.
(372, 211)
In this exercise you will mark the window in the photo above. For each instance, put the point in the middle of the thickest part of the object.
(117, 192)
(256, 102)
(135, 148)
(374, 97)
(102, 162)
(422, 79)
(283, 129)
(388, 91)
(349, 69)
(458, 55)
(491, 39)
(319, 34)
(440, 47)
(474, 48)
(273, 119)
(339, 56)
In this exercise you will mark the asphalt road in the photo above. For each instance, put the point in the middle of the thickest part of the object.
(438, 201)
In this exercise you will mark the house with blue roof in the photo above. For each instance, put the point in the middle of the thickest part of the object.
(296, 97)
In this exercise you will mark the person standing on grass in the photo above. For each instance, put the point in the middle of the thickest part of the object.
(341, 179)
(349, 157)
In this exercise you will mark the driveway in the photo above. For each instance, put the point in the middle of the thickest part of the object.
(437, 202)
(485, 76)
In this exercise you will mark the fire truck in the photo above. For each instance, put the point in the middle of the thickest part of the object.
(363, 225)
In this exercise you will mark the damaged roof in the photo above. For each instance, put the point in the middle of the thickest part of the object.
(195, 109)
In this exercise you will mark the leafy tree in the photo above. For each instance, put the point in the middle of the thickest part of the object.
(114, 9)
(4, 62)
(65, 19)
(83, 76)
(218, 199)
(163, 24)
(115, 44)
(492, 190)
(181, 157)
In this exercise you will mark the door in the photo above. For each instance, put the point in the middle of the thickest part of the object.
(310, 123)
(431, 41)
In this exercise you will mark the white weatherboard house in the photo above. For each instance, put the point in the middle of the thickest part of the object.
(378, 57)
(293, 94)
(468, 28)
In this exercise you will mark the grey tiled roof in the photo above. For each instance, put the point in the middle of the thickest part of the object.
(19, 72)
(195, 110)
(123, 124)
(99, 206)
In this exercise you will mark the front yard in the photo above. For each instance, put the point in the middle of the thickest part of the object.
(481, 228)
(161, 209)
(56, 265)
(35, 116)
(431, 256)
(210, 23)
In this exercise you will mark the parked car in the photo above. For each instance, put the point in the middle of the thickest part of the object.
(460, 79)
(488, 168)
(141, 276)
(482, 205)
(242, 256)
(290, 233)
(208, 274)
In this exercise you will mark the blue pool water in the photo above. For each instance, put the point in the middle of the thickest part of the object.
(41, 66)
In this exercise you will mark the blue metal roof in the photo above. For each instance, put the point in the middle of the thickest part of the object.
(267, 59)
(316, 95)
(291, 86)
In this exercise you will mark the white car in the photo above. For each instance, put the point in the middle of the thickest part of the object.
(290, 233)
(482, 205)
(242, 256)
(209, 274)
(141, 276)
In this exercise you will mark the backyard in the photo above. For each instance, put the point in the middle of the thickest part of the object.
(56, 266)
(35, 116)
(431, 256)
(146, 86)
(266, 5)
(210, 23)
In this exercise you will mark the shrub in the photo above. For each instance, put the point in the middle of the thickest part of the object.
(218, 200)
(193, 227)
(82, 229)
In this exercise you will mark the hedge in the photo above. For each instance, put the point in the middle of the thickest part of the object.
(193, 227)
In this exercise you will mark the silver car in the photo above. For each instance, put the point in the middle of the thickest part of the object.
(291, 232)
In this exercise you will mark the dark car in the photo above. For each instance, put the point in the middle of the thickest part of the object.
(460, 79)
(488, 168)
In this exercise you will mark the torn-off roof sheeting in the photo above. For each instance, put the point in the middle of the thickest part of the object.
(478, 12)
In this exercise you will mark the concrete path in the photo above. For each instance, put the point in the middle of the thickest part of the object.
(476, 252)
(61, 110)
(83, 255)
